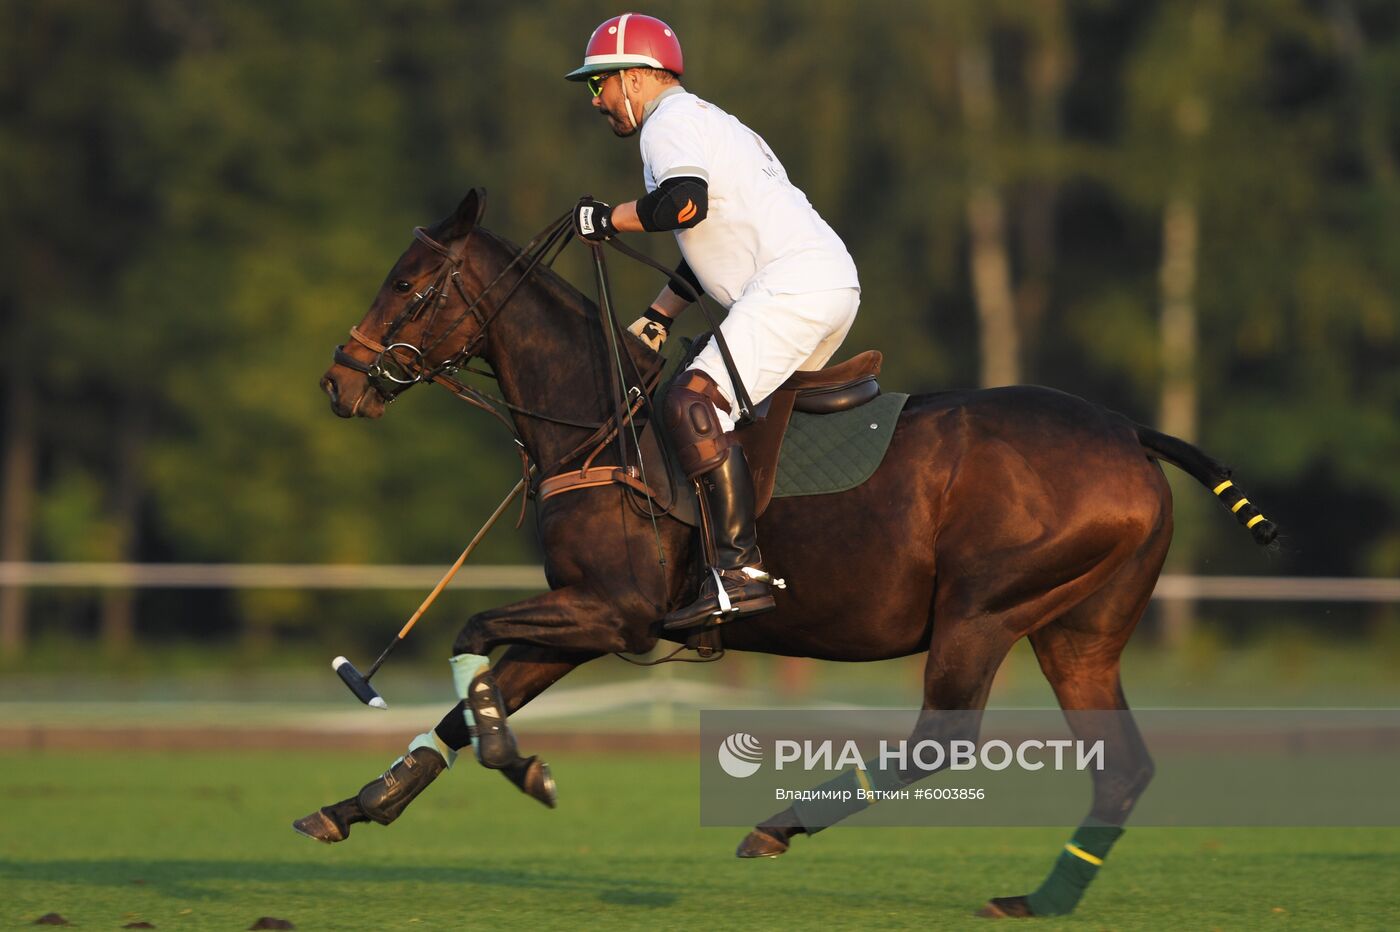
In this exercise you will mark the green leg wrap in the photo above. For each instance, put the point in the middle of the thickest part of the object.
(840, 796)
(429, 740)
(1075, 867)
(464, 667)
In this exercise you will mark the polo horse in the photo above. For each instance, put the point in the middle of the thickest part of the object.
(994, 515)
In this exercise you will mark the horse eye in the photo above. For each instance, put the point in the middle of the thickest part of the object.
(402, 286)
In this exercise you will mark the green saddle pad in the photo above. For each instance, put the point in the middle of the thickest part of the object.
(825, 453)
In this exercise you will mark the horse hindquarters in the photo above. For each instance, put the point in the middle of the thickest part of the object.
(1028, 533)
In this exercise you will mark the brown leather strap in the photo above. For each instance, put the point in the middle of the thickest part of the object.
(699, 381)
(591, 477)
(706, 642)
(440, 378)
(604, 434)
(707, 451)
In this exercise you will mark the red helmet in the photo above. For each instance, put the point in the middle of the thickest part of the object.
(631, 40)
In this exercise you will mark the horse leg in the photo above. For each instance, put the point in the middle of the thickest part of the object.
(974, 625)
(962, 660)
(572, 619)
(524, 672)
(1079, 654)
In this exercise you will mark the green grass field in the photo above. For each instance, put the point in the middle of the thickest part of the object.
(201, 841)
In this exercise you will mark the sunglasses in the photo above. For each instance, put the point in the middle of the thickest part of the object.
(595, 82)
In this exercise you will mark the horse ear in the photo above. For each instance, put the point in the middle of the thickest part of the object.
(469, 213)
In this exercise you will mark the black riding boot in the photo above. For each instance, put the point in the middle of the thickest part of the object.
(382, 800)
(730, 496)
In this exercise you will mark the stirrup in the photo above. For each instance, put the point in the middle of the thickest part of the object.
(726, 609)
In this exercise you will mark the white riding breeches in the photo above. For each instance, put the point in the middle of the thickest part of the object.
(771, 336)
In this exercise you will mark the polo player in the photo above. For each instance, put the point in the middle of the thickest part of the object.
(751, 240)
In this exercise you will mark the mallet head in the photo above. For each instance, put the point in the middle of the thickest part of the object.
(358, 684)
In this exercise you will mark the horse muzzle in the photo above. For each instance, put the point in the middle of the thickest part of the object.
(345, 402)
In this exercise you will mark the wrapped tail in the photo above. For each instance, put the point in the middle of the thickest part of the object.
(1214, 476)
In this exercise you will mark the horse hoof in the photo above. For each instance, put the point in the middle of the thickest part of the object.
(760, 845)
(322, 827)
(532, 777)
(1006, 907)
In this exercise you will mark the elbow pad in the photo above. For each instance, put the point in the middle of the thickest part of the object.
(676, 204)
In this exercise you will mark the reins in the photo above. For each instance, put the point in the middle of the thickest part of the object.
(745, 404)
(555, 236)
(390, 372)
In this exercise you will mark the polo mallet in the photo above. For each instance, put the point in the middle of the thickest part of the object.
(359, 685)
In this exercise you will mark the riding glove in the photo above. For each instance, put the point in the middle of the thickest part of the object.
(652, 328)
(593, 219)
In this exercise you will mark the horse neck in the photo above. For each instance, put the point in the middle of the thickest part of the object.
(546, 347)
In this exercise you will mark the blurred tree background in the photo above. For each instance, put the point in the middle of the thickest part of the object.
(1187, 210)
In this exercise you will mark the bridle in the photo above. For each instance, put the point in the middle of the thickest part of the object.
(391, 371)
(398, 364)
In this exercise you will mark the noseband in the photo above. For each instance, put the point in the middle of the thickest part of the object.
(399, 364)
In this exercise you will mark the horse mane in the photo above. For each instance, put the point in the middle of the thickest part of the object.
(547, 275)
(544, 274)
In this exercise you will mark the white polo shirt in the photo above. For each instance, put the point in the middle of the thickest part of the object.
(760, 229)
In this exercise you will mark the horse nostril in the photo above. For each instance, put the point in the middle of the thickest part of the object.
(329, 387)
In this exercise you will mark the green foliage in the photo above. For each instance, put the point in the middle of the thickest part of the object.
(199, 199)
(72, 522)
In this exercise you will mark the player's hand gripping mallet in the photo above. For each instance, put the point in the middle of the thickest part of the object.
(359, 685)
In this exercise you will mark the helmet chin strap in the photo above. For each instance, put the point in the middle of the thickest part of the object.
(622, 80)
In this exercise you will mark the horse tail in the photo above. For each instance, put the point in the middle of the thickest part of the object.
(1211, 474)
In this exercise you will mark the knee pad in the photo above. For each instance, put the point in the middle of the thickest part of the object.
(695, 428)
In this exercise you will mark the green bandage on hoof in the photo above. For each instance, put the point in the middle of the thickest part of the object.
(849, 792)
(430, 740)
(1076, 866)
(465, 667)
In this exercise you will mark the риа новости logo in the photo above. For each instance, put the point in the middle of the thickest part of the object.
(740, 755)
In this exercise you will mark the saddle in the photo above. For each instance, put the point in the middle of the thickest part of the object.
(841, 387)
(834, 389)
